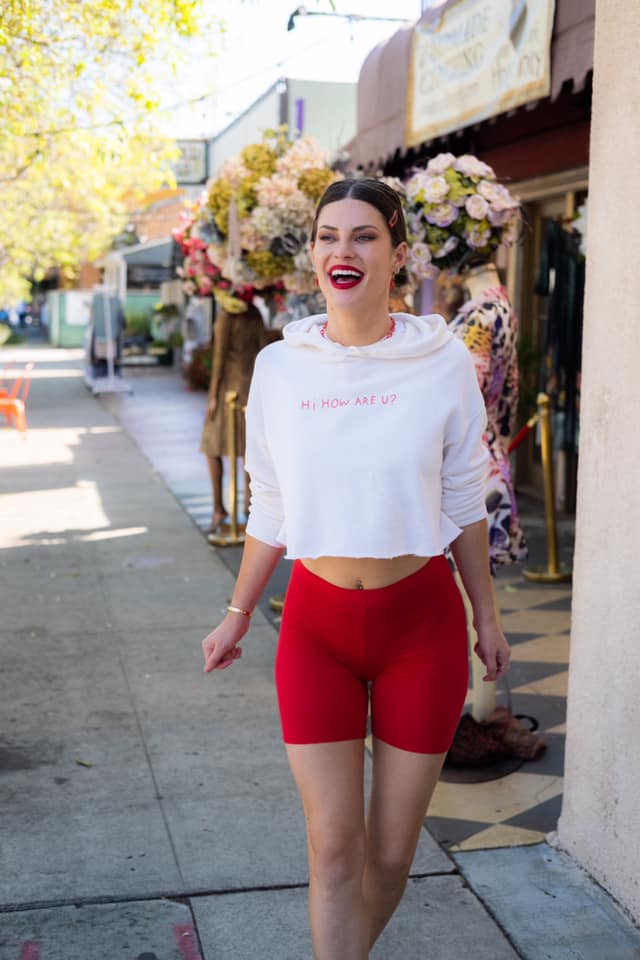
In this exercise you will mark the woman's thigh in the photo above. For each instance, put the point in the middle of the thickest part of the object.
(330, 779)
(402, 786)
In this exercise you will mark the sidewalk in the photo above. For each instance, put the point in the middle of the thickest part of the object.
(157, 799)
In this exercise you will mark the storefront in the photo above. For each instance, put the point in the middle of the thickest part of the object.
(521, 101)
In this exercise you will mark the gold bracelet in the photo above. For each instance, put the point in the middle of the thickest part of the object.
(245, 613)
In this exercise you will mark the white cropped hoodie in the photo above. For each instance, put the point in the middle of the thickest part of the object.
(371, 451)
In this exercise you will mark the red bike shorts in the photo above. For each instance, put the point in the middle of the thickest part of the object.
(404, 646)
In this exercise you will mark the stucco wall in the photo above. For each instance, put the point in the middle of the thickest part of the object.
(600, 822)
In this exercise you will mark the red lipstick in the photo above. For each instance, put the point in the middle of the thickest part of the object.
(344, 277)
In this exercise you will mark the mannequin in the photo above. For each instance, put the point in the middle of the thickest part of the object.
(483, 276)
(489, 328)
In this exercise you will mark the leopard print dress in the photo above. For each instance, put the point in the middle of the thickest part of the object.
(489, 328)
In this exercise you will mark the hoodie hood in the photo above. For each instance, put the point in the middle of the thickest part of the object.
(413, 337)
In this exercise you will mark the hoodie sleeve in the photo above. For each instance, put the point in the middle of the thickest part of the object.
(266, 514)
(465, 460)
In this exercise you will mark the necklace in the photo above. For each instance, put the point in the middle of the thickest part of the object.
(390, 332)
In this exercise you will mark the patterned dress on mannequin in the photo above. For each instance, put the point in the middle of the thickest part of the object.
(489, 327)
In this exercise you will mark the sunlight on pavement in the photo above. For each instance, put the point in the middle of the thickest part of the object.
(28, 518)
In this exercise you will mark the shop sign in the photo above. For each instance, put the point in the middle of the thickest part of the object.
(479, 59)
(147, 274)
(191, 165)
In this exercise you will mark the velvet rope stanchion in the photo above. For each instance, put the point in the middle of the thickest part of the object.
(523, 432)
(236, 531)
(554, 571)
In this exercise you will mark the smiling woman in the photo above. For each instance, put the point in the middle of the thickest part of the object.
(366, 457)
(358, 240)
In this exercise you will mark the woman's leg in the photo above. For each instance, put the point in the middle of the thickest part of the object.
(215, 472)
(329, 777)
(403, 783)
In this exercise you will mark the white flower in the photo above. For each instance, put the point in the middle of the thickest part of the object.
(489, 190)
(415, 185)
(305, 153)
(439, 164)
(470, 166)
(420, 253)
(476, 206)
(498, 217)
(414, 223)
(504, 200)
(435, 189)
(443, 214)
(477, 238)
(234, 171)
(419, 260)
(267, 222)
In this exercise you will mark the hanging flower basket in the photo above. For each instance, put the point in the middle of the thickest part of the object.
(456, 209)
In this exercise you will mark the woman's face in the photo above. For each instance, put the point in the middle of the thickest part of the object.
(353, 255)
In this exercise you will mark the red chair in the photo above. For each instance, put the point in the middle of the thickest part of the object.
(12, 404)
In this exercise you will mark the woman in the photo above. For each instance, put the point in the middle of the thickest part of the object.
(237, 339)
(364, 446)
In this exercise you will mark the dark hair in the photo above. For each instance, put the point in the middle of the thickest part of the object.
(381, 196)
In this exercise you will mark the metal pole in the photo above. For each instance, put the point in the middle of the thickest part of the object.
(553, 572)
(236, 534)
(232, 400)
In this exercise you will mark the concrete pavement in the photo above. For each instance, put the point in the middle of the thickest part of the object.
(147, 811)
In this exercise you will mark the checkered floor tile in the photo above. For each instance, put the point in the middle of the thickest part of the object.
(522, 806)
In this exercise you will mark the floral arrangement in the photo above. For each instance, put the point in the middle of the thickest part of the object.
(198, 273)
(456, 207)
(261, 208)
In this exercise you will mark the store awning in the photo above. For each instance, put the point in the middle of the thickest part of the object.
(385, 76)
(572, 44)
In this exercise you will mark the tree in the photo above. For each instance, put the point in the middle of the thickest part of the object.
(79, 138)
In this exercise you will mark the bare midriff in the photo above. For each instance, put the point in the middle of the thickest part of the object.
(364, 573)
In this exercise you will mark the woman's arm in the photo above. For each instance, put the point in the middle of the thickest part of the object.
(258, 563)
(471, 553)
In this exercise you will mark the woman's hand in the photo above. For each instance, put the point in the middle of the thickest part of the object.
(221, 648)
(493, 649)
(212, 406)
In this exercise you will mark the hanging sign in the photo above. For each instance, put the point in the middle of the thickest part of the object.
(478, 59)
(191, 165)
